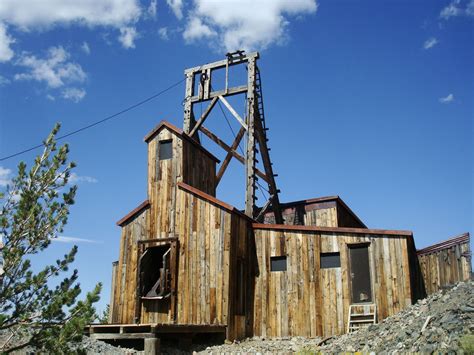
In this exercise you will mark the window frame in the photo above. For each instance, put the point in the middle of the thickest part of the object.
(277, 259)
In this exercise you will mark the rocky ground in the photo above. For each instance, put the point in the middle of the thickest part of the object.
(441, 323)
(438, 323)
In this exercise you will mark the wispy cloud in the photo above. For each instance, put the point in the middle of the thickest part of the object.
(177, 7)
(6, 53)
(85, 48)
(152, 9)
(55, 69)
(457, 8)
(74, 94)
(4, 81)
(5, 176)
(76, 179)
(64, 239)
(163, 33)
(430, 43)
(127, 37)
(447, 99)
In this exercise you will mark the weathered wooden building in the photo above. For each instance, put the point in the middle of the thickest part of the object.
(446, 263)
(191, 263)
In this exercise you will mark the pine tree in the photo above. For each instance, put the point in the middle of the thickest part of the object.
(35, 209)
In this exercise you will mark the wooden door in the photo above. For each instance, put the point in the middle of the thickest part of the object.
(361, 285)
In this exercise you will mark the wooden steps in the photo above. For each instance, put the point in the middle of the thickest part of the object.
(361, 315)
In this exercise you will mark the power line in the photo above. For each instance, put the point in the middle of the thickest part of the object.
(97, 122)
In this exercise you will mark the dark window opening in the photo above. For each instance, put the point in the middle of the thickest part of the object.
(155, 273)
(278, 263)
(361, 288)
(166, 149)
(330, 260)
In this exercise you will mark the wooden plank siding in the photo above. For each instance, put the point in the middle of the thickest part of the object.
(221, 258)
(309, 301)
(446, 263)
(123, 308)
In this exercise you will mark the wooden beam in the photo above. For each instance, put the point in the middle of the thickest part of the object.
(228, 157)
(117, 336)
(250, 168)
(264, 209)
(233, 112)
(262, 142)
(203, 117)
(230, 92)
(224, 146)
(222, 63)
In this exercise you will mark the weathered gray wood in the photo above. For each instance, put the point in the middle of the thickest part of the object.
(230, 92)
(250, 161)
(267, 164)
(117, 336)
(203, 117)
(223, 145)
(188, 105)
(233, 112)
(229, 155)
(152, 346)
(223, 63)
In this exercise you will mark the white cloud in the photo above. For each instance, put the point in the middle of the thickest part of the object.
(55, 70)
(177, 7)
(470, 8)
(152, 9)
(430, 43)
(4, 81)
(195, 29)
(28, 14)
(447, 99)
(85, 48)
(64, 239)
(127, 37)
(73, 94)
(50, 97)
(76, 179)
(163, 33)
(244, 24)
(5, 176)
(455, 8)
(6, 53)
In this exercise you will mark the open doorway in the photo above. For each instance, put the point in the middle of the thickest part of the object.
(155, 272)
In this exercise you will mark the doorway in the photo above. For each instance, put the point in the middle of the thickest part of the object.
(361, 285)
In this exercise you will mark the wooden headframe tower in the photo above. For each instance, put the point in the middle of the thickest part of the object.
(253, 125)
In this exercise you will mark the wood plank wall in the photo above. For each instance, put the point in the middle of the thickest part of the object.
(446, 266)
(322, 217)
(211, 239)
(124, 293)
(188, 164)
(308, 301)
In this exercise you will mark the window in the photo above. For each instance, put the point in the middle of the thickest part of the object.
(155, 273)
(166, 149)
(330, 260)
(278, 263)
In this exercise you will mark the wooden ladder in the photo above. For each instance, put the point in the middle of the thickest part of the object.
(361, 315)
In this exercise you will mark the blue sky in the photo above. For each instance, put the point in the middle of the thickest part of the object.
(371, 101)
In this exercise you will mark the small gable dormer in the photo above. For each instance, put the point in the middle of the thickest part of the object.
(174, 157)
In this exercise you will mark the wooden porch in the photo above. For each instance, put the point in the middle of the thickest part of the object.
(151, 333)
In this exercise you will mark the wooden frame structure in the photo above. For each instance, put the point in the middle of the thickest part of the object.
(221, 260)
(253, 126)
